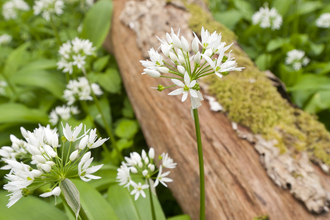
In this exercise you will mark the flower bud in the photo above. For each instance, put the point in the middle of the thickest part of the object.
(163, 69)
(56, 191)
(40, 159)
(50, 163)
(83, 142)
(185, 44)
(197, 58)
(165, 50)
(33, 150)
(195, 45)
(143, 154)
(208, 52)
(133, 170)
(151, 167)
(140, 164)
(36, 173)
(176, 40)
(146, 160)
(173, 57)
(181, 59)
(73, 155)
(49, 150)
(151, 153)
(145, 172)
(152, 73)
(181, 69)
(46, 167)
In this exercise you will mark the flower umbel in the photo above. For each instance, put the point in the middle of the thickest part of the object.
(266, 18)
(297, 59)
(188, 69)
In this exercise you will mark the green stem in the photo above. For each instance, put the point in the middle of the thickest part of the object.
(152, 204)
(107, 128)
(170, 77)
(82, 214)
(55, 30)
(201, 166)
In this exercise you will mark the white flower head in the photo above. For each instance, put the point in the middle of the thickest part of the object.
(161, 178)
(11, 8)
(62, 112)
(5, 39)
(323, 21)
(85, 172)
(138, 190)
(297, 59)
(48, 8)
(186, 88)
(267, 18)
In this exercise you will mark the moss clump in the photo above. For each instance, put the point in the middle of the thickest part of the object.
(264, 217)
(251, 100)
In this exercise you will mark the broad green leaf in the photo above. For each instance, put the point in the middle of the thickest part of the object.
(180, 217)
(276, 44)
(29, 208)
(311, 82)
(282, 6)
(229, 18)
(316, 48)
(288, 75)
(100, 63)
(106, 110)
(108, 177)
(309, 6)
(128, 209)
(14, 112)
(96, 24)
(127, 111)
(110, 80)
(124, 143)
(93, 203)
(245, 8)
(263, 61)
(127, 128)
(71, 195)
(54, 83)
(15, 59)
(41, 64)
(318, 103)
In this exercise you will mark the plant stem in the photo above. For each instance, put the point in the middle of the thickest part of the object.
(201, 167)
(152, 204)
(82, 214)
(55, 30)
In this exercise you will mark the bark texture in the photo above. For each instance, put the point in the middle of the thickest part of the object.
(237, 184)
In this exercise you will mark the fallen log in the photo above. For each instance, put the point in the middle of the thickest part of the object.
(238, 185)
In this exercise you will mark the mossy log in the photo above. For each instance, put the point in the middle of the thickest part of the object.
(238, 185)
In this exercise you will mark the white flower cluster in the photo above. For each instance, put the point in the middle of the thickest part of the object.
(41, 148)
(3, 85)
(48, 8)
(267, 18)
(297, 59)
(5, 39)
(323, 21)
(62, 112)
(144, 166)
(81, 90)
(187, 69)
(74, 53)
(11, 8)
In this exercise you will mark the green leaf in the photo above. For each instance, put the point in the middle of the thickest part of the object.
(317, 102)
(276, 44)
(128, 209)
(127, 111)
(229, 18)
(71, 195)
(14, 112)
(245, 8)
(15, 59)
(124, 144)
(316, 48)
(263, 61)
(288, 75)
(309, 6)
(311, 82)
(180, 217)
(54, 83)
(109, 176)
(40, 64)
(127, 128)
(105, 106)
(29, 208)
(100, 63)
(110, 80)
(282, 6)
(96, 24)
(93, 203)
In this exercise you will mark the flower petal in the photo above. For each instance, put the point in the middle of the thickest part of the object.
(177, 82)
(184, 97)
(177, 92)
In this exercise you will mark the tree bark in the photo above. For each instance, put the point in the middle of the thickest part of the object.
(237, 185)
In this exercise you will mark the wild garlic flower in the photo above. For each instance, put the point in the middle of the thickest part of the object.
(39, 160)
(267, 18)
(297, 59)
(12, 7)
(62, 112)
(5, 39)
(74, 53)
(80, 90)
(144, 166)
(323, 21)
(48, 8)
(188, 69)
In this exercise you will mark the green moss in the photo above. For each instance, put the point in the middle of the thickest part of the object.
(251, 100)
(264, 217)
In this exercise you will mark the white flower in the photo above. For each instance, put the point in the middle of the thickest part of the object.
(267, 18)
(5, 39)
(161, 178)
(138, 190)
(48, 8)
(167, 161)
(72, 135)
(64, 112)
(123, 175)
(74, 155)
(296, 59)
(323, 21)
(12, 7)
(92, 142)
(80, 89)
(55, 192)
(186, 87)
(85, 171)
(74, 53)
